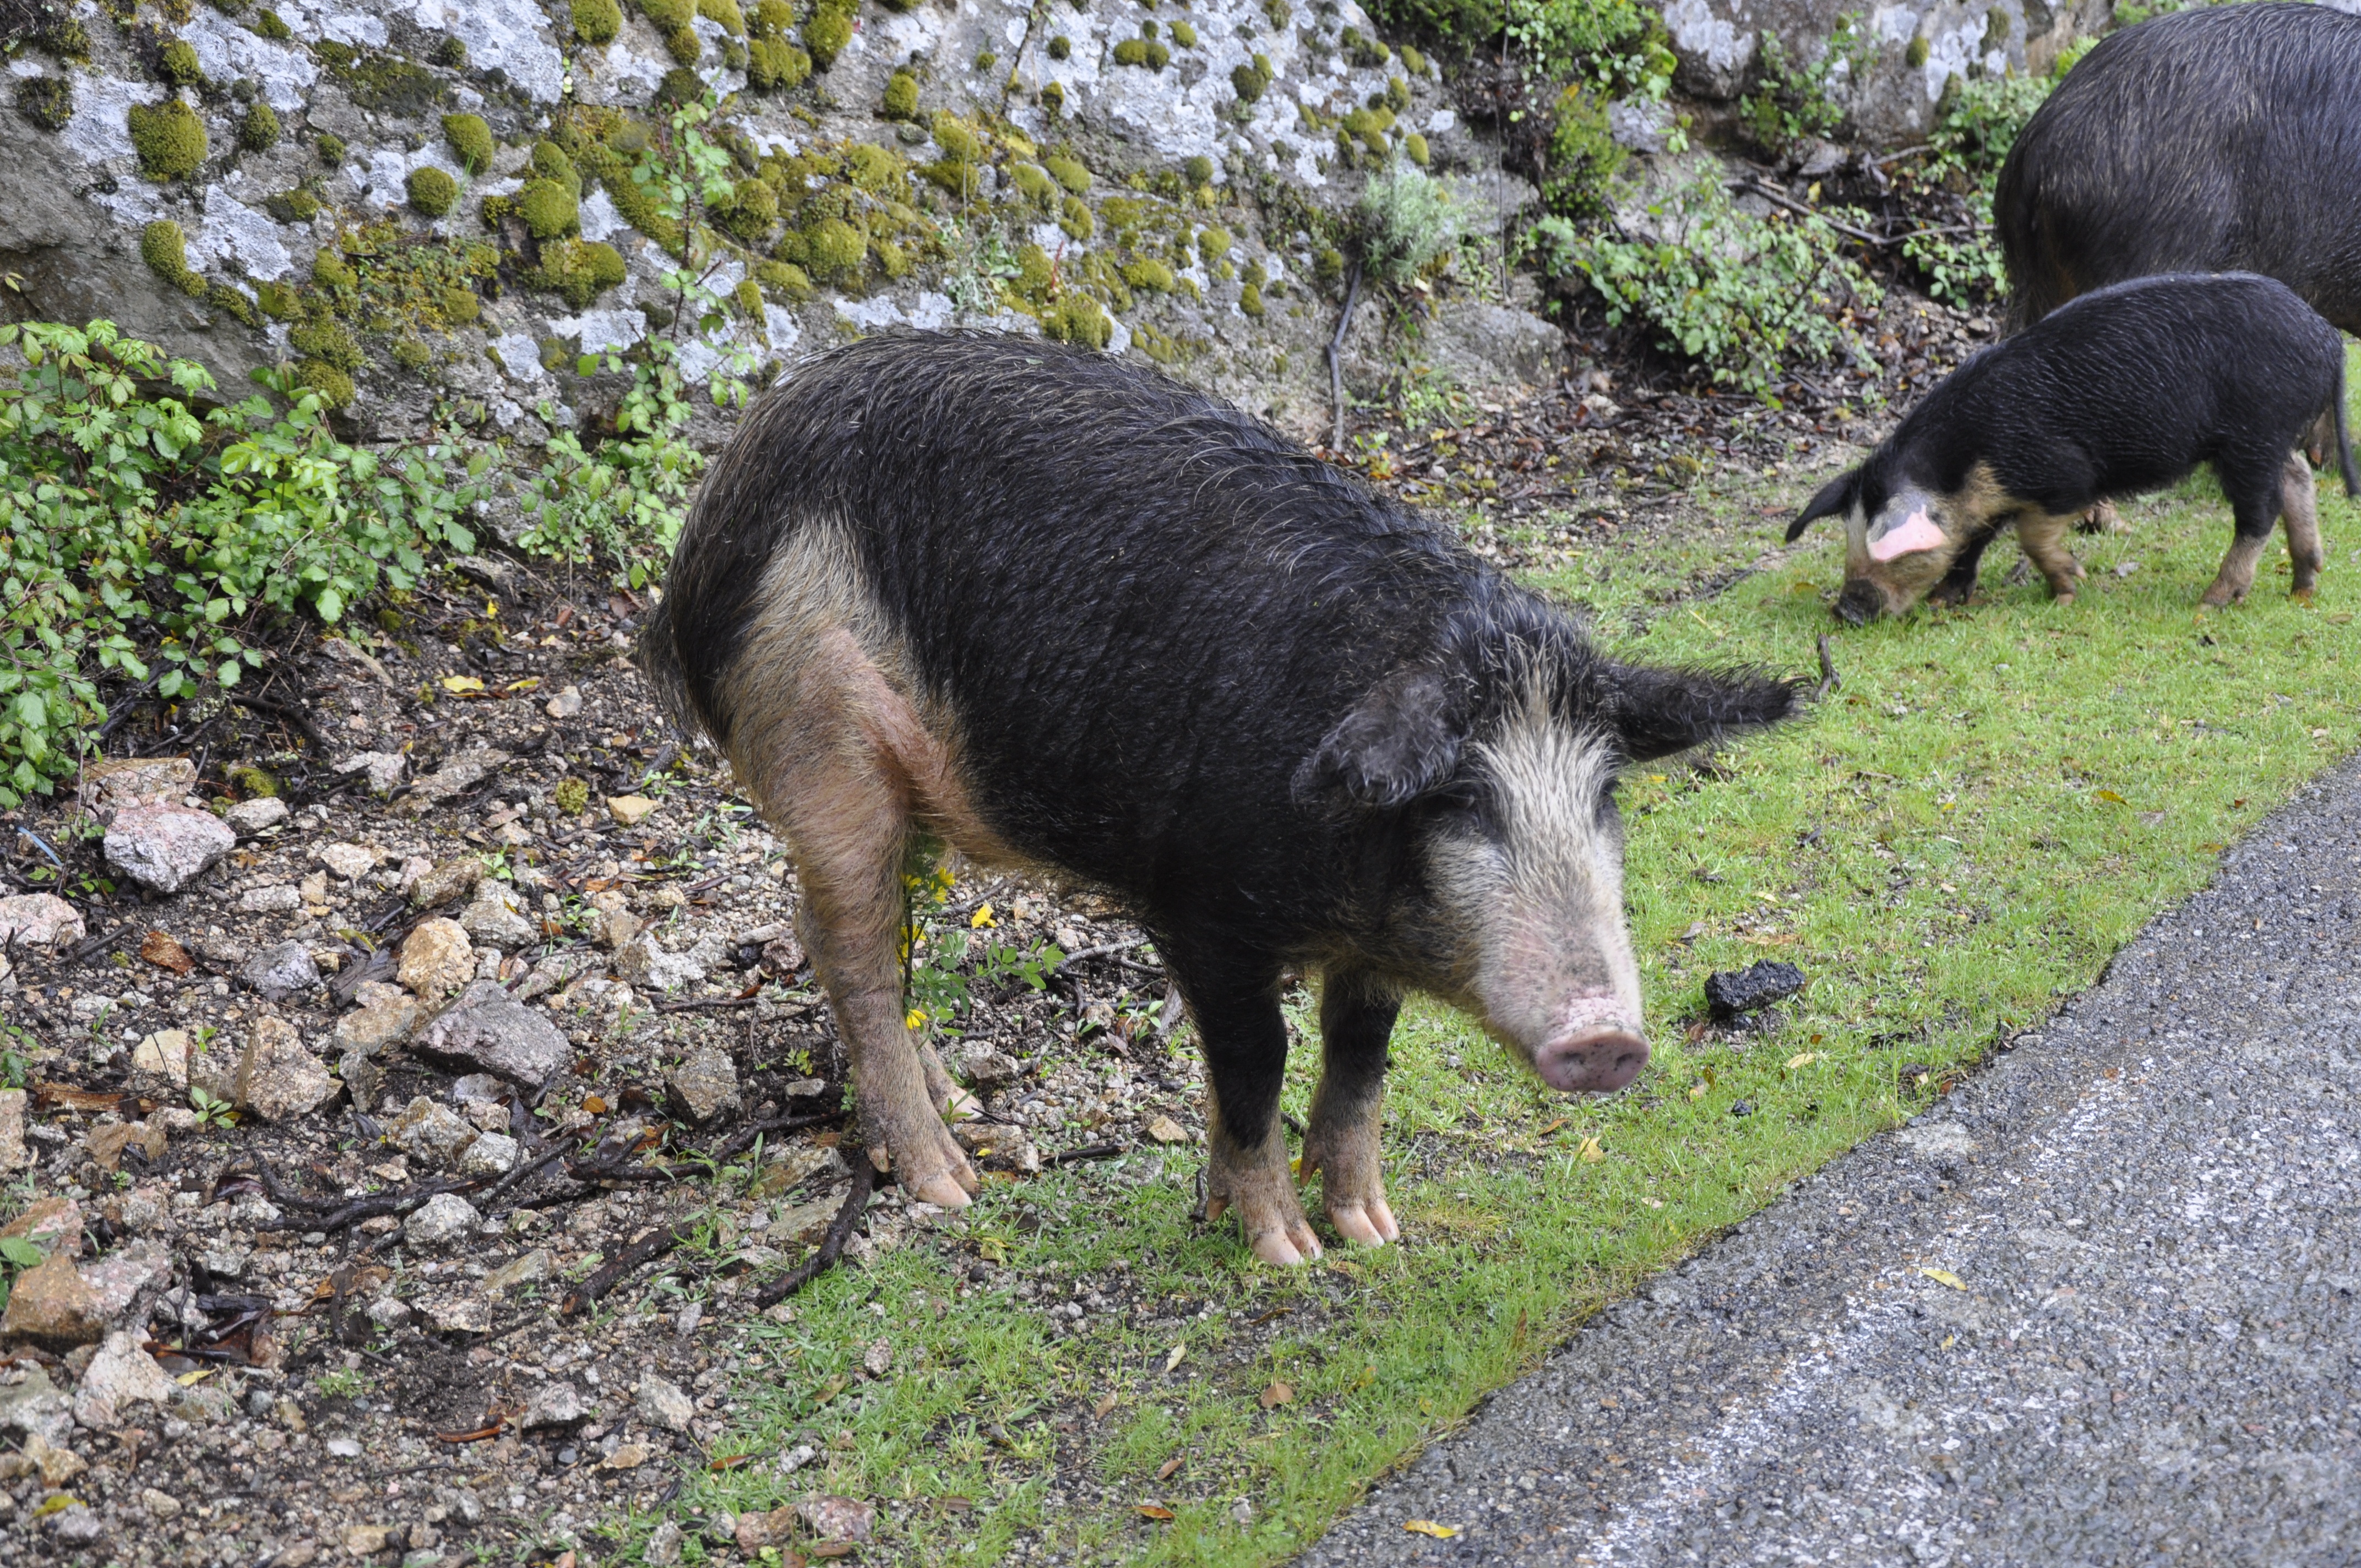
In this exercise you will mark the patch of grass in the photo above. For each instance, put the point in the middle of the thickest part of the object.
(1996, 800)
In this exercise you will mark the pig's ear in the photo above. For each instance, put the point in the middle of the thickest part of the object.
(1399, 742)
(1659, 711)
(1835, 497)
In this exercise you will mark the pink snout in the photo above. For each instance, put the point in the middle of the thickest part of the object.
(1596, 1051)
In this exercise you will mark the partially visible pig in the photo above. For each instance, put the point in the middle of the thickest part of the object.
(2120, 391)
(1063, 614)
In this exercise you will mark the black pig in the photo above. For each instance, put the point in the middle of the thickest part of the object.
(2122, 390)
(1063, 614)
(2215, 139)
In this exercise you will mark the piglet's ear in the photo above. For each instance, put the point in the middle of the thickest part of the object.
(1835, 497)
(1659, 711)
(1398, 742)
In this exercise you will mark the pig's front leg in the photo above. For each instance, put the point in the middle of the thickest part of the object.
(2043, 538)
(1341, 1141)
(1244, 1037)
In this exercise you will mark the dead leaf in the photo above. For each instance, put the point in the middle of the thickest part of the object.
(1945, 1277)
(158, 949)
(1428, 1527)
(1172, 1358)
(2111, 794)
(460, 684)
(1164, 1471)
(1590, 1152)
(594, 1105)
(1277, 1394)
(1157, 1511)
(1802, 1059)
(1552, 1127)
(1107, 1402)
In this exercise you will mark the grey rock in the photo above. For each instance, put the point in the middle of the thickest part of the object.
(533, 1269)
(282, 898)
(382, 769)
(445, 1220)
(254, 816)
(662, 1549)
(282, 971)
(431, 1131)
(705, 1082)
(39, 920)
(984, 1070)
(644, 962)
(455, 776)
(362, 1077)
(74, 1525)
(489, 1154)
(391, 1314)
(35, 1407)
(661, 1403)
(165, 848)
(486, 1030)
(116, 1279)
(120, 1373)
(556, 1406)
(387, 1013)
(497, 918)
(277, 1077)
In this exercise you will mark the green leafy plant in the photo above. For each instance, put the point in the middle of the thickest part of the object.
(617, 506)
(1408, 223)
(1790, 103)
(212, 1111)
(344, 1382)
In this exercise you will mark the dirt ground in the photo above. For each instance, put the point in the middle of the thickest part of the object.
(365, 1260)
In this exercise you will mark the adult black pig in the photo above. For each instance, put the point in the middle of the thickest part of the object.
(2215, 139)
(2122, 390)
(1066, 615)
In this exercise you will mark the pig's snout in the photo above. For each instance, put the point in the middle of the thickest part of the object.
(1596, 1060)
(1859, 603)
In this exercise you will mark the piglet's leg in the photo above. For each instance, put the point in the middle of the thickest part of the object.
(2043, 538)
(2299, 505)
(1341, 1139)
(1244, 1037)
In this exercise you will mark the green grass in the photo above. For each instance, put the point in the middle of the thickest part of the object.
(1996, 799)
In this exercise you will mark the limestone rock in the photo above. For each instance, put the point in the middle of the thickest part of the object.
(431, 1131)
(280, 971)
(362, 1077)
(39, 920)
(804, 1224)
(445, 1220)
(612, 925)
(497, 918)
(387, 1013)
(254, 816)
(277, 1078)
(117, 1279)
(162, 1060)
(630, 810)
(455, 776)
(565, 704)
(447, 881)
(35, 1407)
(662, 1404)
(437, 958)
(281, 898)
(486, 1030)
(838, 1518)
(382, 769)
(533, 1269)
(350, 862)
(14, 1155)
(165, 848)
(644, 962)
(491, 1154)
(50, 1307)
(121, 1373)
(112, 784)
(1165, 1130)
(705, 1082)
(53, 1224)
(984, 1070)
(556, 1405)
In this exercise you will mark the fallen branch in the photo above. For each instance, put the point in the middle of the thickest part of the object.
(1830, 679)
(292, 716)
(831, 1246)
(1336, 352)
(644, 1251)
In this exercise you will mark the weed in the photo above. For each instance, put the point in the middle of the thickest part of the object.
(618, 506)
(1408, 223)
(344, 1382)
(1790, 103)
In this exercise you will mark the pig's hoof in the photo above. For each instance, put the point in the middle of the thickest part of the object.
(936, 1171)
(2061, 595)
(2301, 595)
(1367, 1221)
(1276, 1230)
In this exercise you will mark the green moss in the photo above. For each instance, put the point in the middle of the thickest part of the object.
(1214, 244)
(833, 247)
(1917, 53)
(385, 83)
(550, 162)
(329, 271)
(754, 208)
(47, 101)
(784, 279)
(680, 85)
(581, 271)
(1036, 275)
(771, 19)
(1033, 182)
(165, 248)
(1076, 220)
(686, 49)
(899, 5)
(1067, 172)
(1078, 319)
(1249, 80)
(470, 139)
(462, 306)
(571, 796)
(1183, 35)
(279, 302)
(1413, 62)
(324, 337)
(494, 211)
(631, 199)
(826, 34)
(748, 299)
(1250, 300)
(169, 139)
(1414, 147)
(1198, 171)
(1150, 275)
(176, 64)
(1363, 50)
(259, 130)
(548, 209)
(268, 26)
(232, 302)
(1329, 265)
(596, 22)
(725, 14)
(985, 60)
(451, 54)
(432, 192)
(891, 259)
(1583, 155)
(1053, 97)
(330, 148)
(252, 783)
(667, 16)
(1061, 47)
(65, 38)
(900, 101)
(774, 64)
(296, 206)
(1149, 53)
(958, 138)
(334, 387)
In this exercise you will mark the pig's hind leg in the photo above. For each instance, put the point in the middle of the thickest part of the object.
(2299, 505)
(1244, 1036)
(2256, 493)
(1341, 1138)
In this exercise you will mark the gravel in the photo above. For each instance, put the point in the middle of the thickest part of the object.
(2149, 1353)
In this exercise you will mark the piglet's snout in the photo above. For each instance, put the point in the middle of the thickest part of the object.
(1596, 1049)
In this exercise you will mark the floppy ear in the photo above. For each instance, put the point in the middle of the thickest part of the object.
(1835, 497)
(1399, 740)
(1661, 710)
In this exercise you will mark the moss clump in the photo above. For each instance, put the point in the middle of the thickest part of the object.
(268, 26)
(724, 12)
(232, 302)
(383, 82)
(633, 200)
(1067, 172)
(324, 337)
(329, 271)
(432, 192)
(462, 306)
(1061, 47)
(451, 54)
(47, 101)
(827, 33)
(169, 139)
(1250, 81)
(833, 247)
(579, 270)
(296, 206)
(1413, 62)
(899, 5)
(596, 22)
(748, 298)
(1583, 157)
(470, 140)
(1329, 265)
(494, 211)
(1917, 54)
(548, 209)
(1075, 218)
(1149, 53)
(1183, 35)
(1150, 275)
(1398, 95)
(901, 98)
(784, 279)
(672, 19)
(774, 65)
(65, 38)
(279, 302)
(1214, 244)
(334, 387)
(252, 783)
(550, 162)
(680, 85)
(1414, 147)
(1078, 318)
(1053, 98)
(771, 19)
(330, 148)
(176, 64)
(1363, 50)
(571, 796)
(1198, 171)
(165, 249)
(259, 131)
(1250, 301)
(411, 354)
(1034, 184)
(753, 209)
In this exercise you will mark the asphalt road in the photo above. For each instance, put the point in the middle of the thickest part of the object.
(2153, 1205)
